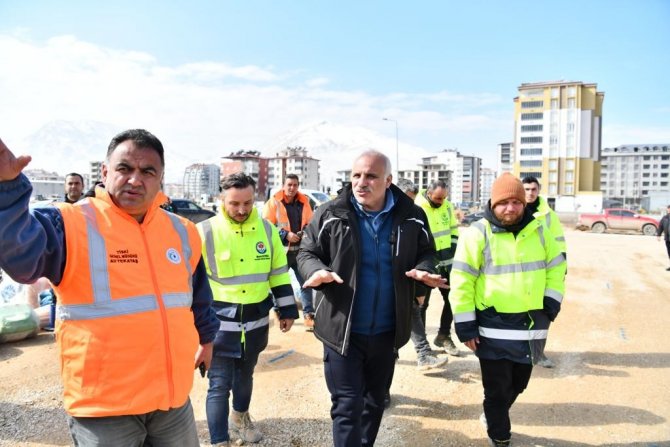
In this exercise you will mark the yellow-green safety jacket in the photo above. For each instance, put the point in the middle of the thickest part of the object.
(506, 289)
(245, 262)
(550, 218)
(443, 225)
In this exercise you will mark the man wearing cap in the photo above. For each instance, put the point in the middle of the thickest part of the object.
(507, 284)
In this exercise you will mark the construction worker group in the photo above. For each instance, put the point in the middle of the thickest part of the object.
(145, 296)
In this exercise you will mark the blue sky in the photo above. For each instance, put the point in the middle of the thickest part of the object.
(447, 71)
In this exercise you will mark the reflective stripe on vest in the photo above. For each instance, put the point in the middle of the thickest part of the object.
(234, 326)
(103, 305)
(465, 317)
(240, 279)
(488, 268)
(511, 334)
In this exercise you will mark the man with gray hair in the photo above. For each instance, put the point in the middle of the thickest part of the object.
(366, 250)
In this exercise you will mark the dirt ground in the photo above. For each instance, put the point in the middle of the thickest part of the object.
(610, 386)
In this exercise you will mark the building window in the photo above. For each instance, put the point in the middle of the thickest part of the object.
(532, 128)
(526, 140)
(554, 92)
(532, 104)
(568, 189)
(553, 164)
(569, 176)
(572, 91)
(571, 127)
(531, 116)
(553, 176)
(570, 164)
(530, 163)
(553, 140)
(537, 175)
(554, 104)
(571, 103)
(533, 151)
(553, 189)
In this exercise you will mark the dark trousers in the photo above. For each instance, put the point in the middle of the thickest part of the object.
(447, 316)
(418, 334)
(503, 381)
(357, 383)
(667, 247)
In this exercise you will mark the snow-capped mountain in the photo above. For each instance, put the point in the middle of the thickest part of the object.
(336, 146)
(68, 146)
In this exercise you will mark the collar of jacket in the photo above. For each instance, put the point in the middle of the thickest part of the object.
(498, 227)
(248, 225)
(102, 194)
(424, 202)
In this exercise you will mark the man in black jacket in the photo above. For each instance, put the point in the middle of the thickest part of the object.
(364, 251)
(664, 227)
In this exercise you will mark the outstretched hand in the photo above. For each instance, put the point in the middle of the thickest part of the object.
(11, 166)
(322, 277)
(430, 279)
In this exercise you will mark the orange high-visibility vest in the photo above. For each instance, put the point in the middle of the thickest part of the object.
(275, 211)
(125, 329)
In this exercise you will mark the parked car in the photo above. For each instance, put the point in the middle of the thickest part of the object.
(617, 219)
(189, 209)
(469, 218)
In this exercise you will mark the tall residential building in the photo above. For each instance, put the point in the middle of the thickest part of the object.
(460, 172)
(632, 172)
(95, 172)
(505, 158)
(201, 182)
(293, 160)
(252, 164)
(486, 179)
(557, 138)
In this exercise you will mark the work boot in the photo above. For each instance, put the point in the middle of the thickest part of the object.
(545, 362)
(429, 361)
(309, 322)
(499, 443)
(440, 338)
(240, 426)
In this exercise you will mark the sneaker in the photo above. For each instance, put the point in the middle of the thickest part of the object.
(451, 348)
(309, 322)
(668, 269)
(240, 426)
(545, 362)
(429, 361)
(498, 443)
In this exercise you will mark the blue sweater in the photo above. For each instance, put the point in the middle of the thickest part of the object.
(374, 299)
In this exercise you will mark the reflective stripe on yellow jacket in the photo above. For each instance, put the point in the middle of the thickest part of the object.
(443, 225)
(126, 332)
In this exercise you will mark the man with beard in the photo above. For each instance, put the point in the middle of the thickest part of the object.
(247, 271)
(507, 284)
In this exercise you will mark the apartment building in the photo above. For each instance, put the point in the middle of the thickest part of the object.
(293, 160)
(557, 138)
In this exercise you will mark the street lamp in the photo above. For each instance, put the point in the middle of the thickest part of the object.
(397, 166)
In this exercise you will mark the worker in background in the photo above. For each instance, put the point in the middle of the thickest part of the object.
(444, 227)
(290, 212)
(247, 271)
(540, 209)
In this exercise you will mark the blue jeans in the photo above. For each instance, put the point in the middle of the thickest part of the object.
(357, 383)
(306, 294)
(172, 428)
(228, 374)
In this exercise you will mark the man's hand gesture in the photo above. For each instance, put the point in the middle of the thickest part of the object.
(432, 280)
(322, 277)
(10, 166)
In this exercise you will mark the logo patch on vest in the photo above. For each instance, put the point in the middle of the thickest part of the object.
(173, 256)
(260, 247)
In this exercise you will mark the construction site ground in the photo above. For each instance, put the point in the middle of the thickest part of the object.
(610, 385)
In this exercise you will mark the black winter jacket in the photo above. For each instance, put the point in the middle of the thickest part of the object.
(332, 242)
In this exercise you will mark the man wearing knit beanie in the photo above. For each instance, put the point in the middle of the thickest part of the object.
(507, 284)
